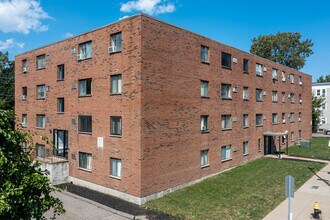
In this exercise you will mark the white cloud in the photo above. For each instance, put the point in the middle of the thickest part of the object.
(151, 7)
(4, 45)
(123, 17)
(22, 16)
(68, 34)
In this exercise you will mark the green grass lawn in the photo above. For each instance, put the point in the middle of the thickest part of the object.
(249, 191)
(319, 149)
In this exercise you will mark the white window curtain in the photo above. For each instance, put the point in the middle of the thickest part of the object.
(204, 157)
(82, 87)
(204, 123)
(85, 50)
(283, 76)
(245, 121)
(245, 93)
(115, 167)
(225, 152)
(204, 54)
(274, 96)
(274, 73)
(116, 42)
(258, 69)
(116, 84)
(204, 88)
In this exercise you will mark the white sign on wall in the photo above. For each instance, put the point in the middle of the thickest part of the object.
(99, 141)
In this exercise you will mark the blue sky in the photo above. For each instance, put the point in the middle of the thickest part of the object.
(27, 24)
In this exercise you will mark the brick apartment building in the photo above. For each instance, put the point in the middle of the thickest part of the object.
(141, 107)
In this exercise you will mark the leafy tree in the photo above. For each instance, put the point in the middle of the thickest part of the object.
(25, 190)
(283, 48)
(317, 103)
(7, 94)
(321, 79)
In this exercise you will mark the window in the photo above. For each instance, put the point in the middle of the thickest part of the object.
(115, 125)
(283, 97)
(60, 72)
(25, 147)
(204, 123)
(40, 150)
(283, 76)
(24, 120)
(41, 62)
(24, 66)
(245, 147)
(225, 91)
(245, 65)
(324, 106)
(204, 54)
(323, 92)
(283, 118)
(292, 97)
(61, 143)
(225, 121)
(85, 124)
(300, 100)
(24, 93)
(41, 93)
(41, 121)
(225, 152)
(60, 105)
(245, 120)
(85, 87)
(291, 78)
(299, 135)
(204, 158)
(323, 120)
(318, 92)
(299, 116)
(291, 117)
(274, 74)
(274, 118)
(85, 51)
(292, 136)
(258, 119)
(116, 84)
(116, 42)
(115, 167)
(226, 59)
(274, 96)
(258, 69)
(204, 88)
(85, 161)
(245, 93)
(259, 145)
(259, 95)
(300, 80)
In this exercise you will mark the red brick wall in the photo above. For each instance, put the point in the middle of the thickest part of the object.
(100, 105)
(172, 106)
(160, 104)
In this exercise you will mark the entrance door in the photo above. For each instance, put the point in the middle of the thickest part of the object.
(268, 145)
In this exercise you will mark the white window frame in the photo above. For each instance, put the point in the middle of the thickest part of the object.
(274, 96)
(245, 93)
(116, 42)
(204, 88)
(245, 148)
(43, 118)
(225, 91)
(226, 153)
(204, 123)
(274, 118)
(115, 167)
(204, 157)
(245, 120)
(85, 165)
(116, 84)
(205, 54)
(225, 122)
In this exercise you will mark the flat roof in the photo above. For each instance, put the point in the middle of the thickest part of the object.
(271, 133)
(321, 84)
(148, 16)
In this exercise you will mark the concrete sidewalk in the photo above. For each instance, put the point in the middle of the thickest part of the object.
(316, 189)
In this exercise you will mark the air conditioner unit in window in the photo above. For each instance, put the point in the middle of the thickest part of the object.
(47, 88)
(234, 60)
(300, 101)
(204, 128)
(299, 119)
(289, 96)
(23, 124)
(24, 69)
(264, 117)
(23, 97)
(245, 96)
(81, 56)
(300, 83)
(265, 69)
(112, 49)
(274, 77)
(234, 89)
(265, 93)
(283, 121)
